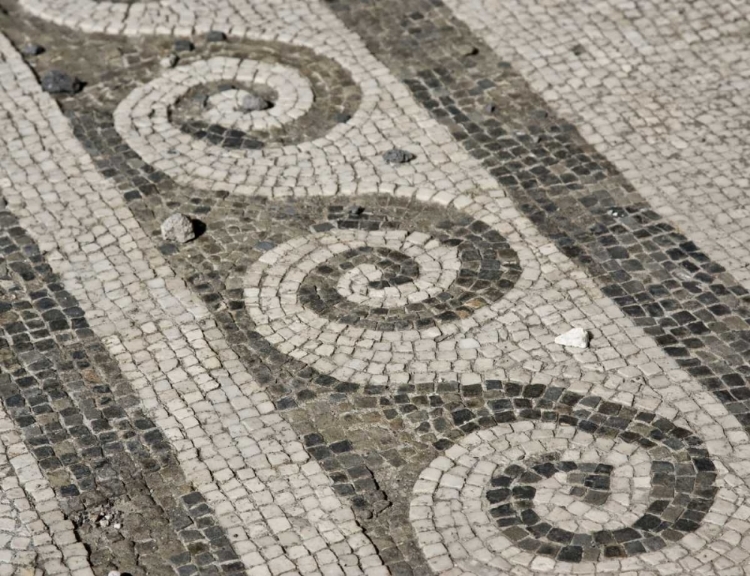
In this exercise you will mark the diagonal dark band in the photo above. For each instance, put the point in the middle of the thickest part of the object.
(115, 474)
(694, 310)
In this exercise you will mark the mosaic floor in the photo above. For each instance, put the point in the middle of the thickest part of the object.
(374, 288)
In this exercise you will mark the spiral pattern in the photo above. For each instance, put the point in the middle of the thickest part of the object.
(568, 479)
(152, 119)
(383, 268)
(190, 122)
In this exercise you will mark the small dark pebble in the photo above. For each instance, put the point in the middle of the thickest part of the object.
(398, 156)
(490, 108)
(356, 210)
(183, 45)
(342, 117)
(56, 82)
(32, 50)
(216, 36)
(265, 245)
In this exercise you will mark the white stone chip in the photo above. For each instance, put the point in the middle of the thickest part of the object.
(575, 338)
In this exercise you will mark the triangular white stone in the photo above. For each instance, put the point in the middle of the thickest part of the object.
(576, 338)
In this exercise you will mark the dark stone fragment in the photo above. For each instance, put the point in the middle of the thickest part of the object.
(216, 36)
(57, 82)
(183, 45)
(398, 156)
(32, 50)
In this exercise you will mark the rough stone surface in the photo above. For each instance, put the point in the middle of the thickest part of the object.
(254, 103)
(32, 49)
(398, 156)
(575, 337)
(216, 36)
(57, 82)
(183, 45)
(178, 228)
(360, 366)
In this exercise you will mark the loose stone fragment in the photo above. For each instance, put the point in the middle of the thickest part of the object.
(170, 61)
(201, 99)
(398, 156)
(490, 108)
(467, 50)
(265, 245)
(183, 45)
(32, 50)
(575, 338)
(356, 211)
(216, 36)
(56, 82)
(177, 228)
(342, 117)
(254, 103)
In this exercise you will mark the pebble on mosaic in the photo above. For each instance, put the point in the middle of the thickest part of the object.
(178, 228)
(244, 459)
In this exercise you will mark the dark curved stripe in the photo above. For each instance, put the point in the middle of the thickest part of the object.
(693, 308)
(83, 422)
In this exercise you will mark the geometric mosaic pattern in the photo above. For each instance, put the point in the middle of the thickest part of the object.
(352, 369)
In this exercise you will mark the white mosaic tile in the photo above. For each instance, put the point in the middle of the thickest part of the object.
(656, 87)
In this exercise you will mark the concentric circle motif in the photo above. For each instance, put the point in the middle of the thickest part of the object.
(379, 268)
(173, 111)
(568, 480)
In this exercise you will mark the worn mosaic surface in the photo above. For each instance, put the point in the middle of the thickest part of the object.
(344, 363)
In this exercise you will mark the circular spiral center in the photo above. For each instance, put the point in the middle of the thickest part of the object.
(397, 268)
